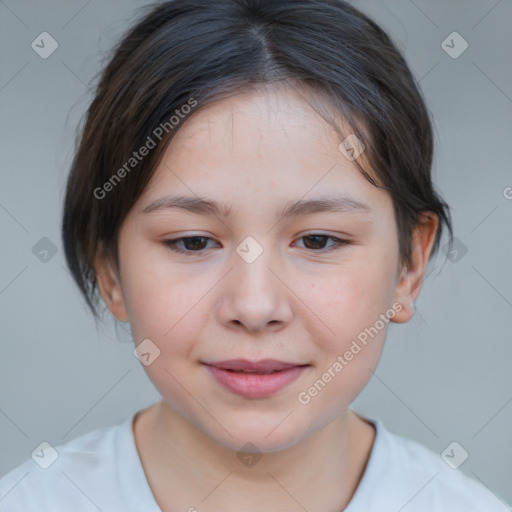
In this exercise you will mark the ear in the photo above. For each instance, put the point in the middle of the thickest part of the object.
(409, 283)
(109, 284)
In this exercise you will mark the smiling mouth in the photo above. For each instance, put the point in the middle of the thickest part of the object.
(255, 379)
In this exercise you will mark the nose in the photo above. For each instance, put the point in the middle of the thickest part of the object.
(254, 296)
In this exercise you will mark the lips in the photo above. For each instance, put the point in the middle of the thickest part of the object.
(263, 366)
(255, 379)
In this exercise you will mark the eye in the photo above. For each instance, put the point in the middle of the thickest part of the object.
(191, 244)
(317, 241)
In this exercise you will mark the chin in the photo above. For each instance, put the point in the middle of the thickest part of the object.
(259, 433)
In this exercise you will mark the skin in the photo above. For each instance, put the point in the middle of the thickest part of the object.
(256, 151)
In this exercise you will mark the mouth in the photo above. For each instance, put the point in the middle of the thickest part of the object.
(255, 379)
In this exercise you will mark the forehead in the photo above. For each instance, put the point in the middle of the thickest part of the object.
(268, 143)
(268, 116)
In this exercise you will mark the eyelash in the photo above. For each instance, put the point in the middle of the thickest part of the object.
(338, 243)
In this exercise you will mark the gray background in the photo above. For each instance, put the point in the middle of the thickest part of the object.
(444, 377)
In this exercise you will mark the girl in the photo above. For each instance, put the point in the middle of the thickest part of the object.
(252, 193)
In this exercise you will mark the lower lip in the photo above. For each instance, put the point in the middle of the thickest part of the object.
(255, 385)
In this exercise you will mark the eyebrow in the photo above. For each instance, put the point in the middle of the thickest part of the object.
(206, 206)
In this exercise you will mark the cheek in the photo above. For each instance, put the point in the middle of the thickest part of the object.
(351, 304)
(161, 303)
(170, 313)
(351, 300)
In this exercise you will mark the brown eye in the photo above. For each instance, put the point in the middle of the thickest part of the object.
(190, 244)
(317, 242)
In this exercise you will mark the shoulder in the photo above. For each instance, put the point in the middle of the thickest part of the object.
(411, 473)
(441, 482)
(69, 476)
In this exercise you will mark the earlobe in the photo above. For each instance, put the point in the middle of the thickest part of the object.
(405, 310)
(409, 284)
(109, 286)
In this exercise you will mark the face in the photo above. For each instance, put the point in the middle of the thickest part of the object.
(314, 289)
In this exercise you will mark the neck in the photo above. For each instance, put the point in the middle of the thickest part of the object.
(186, 469)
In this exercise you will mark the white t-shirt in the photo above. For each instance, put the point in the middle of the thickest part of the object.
(101, 470)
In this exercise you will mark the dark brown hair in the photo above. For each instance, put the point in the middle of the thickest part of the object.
(194, 52)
